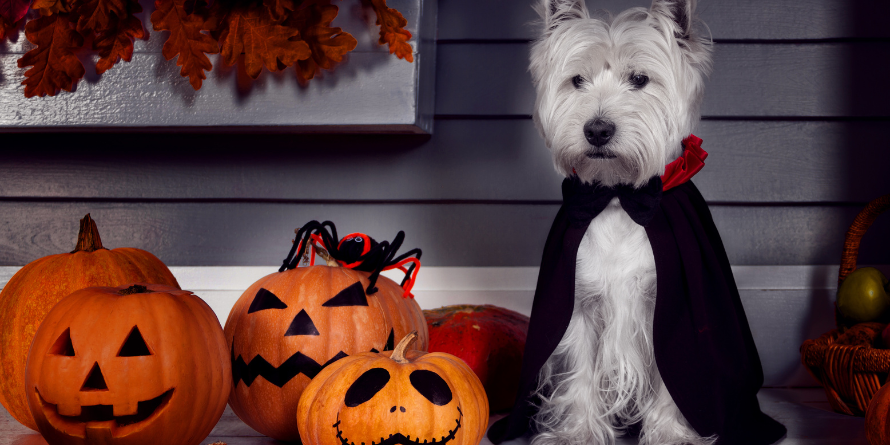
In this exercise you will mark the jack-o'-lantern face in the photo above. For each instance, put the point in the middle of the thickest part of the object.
(290, 325)
(124, 366)
(131, 400)
(395, 397)
(410, 411)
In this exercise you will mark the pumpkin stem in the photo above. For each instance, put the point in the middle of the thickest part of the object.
(134, 289)
(88, 239)
(327, 257)
(398, 354)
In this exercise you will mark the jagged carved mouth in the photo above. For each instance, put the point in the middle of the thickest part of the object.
(105, 413)
(400, 439)
(296, 364)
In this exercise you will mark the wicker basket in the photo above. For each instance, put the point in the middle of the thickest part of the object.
(851, 375)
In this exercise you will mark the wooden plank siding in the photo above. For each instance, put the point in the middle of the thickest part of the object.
(492, 234)
(727, 20)
(466, 160)
(750, 80)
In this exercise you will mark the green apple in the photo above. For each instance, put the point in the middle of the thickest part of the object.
(863, 296)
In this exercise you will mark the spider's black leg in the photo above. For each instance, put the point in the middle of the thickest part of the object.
(291, 261)
(331, 240)
(333, 229)
(390, 251)
(407, 254)
(394, 246)
(411, 267)
(384, 248)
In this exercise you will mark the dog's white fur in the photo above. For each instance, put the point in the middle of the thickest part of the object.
(602, 377)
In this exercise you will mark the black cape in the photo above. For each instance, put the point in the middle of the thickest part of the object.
(703, 345)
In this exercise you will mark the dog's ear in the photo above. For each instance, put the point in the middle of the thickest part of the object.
(678, 16)
(681, 13)
(557, 12)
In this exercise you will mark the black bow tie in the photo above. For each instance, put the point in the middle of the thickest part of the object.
(584, 201)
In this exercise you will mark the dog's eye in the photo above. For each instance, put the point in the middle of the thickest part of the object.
(638, 80)
(577, 81)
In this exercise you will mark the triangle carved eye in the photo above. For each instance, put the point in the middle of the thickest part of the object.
(63, 345)
(302, 325)
(353, 295)
(134, 345)
(265, 300)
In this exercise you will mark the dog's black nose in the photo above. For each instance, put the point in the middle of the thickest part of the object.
(599, 131)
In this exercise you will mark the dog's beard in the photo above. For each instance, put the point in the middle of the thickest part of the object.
(637, 152)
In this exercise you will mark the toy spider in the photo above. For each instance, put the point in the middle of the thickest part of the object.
(356, 251)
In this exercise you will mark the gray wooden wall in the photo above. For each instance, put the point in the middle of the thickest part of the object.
(795, 118)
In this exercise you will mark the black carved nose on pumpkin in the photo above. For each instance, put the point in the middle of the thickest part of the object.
(393, 409)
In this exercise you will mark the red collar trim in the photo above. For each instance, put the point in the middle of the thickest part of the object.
(687, 165)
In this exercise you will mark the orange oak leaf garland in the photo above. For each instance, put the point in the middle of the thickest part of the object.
(11, 12)
(392, 29)
(252, 31)
(186, 39)
(270, 34)
(62, 29)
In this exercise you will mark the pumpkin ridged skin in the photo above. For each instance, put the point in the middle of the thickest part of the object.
(188, 355)
(323, 402)
(36, 288)
(271, 410)
(490, 339)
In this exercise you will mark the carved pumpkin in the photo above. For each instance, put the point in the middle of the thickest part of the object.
(289, 325)
(128, 365)
(392, 398)
(489, 339)
(36, 288)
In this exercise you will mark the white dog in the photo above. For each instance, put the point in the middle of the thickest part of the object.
(615, 98)
(637, 324)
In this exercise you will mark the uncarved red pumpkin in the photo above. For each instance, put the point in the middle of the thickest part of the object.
(36, 288)
(131, 365)
(288, 325)
(402, 396)
(490, 339)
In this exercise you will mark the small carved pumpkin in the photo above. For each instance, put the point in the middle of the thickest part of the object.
(36, 288)
(397, 397)
(145, 364)
(289, 325)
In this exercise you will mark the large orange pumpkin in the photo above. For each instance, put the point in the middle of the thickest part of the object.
(132, 365)
(396, 397)
(33, 290)
(289, 325)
